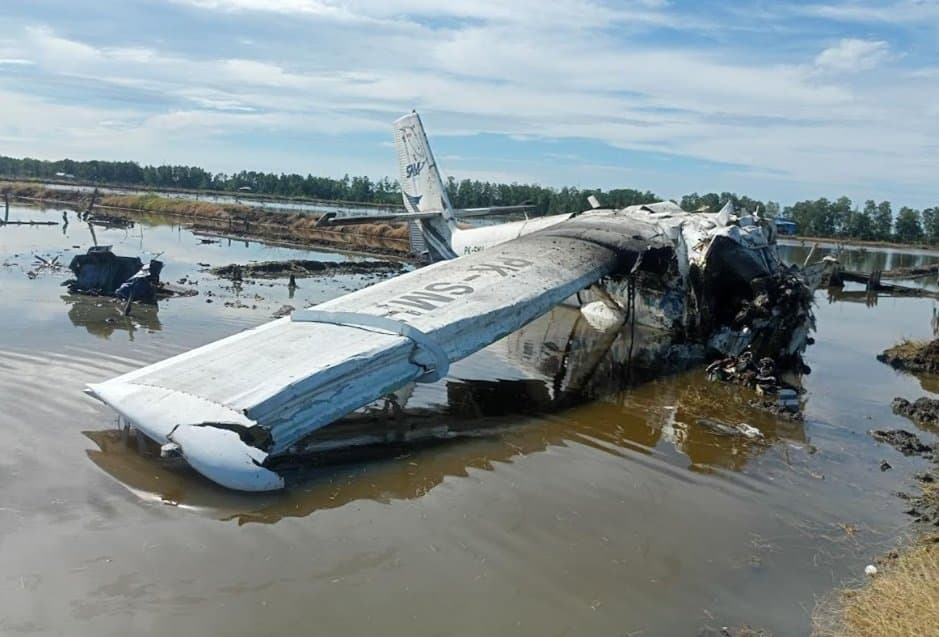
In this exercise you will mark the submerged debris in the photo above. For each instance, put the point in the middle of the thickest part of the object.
(903, 441)
(41, 264)
(100, 272)
(283, 310)
(741, 429)
(775, 396)
(923, 411)
(304, 267)
(913, 356)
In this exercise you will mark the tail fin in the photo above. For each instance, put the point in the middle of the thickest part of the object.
(421, 186)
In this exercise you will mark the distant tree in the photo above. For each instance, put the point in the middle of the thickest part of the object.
(840, 212)
(930, 218)
(883, 219)
(908, 228)
(860, 225)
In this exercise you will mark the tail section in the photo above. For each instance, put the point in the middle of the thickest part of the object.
(422, 188)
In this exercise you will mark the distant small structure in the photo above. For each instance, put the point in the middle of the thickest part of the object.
(62, 175)
(245, 189)
(784, 226)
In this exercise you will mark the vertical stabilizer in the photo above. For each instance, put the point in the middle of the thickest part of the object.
(422, 188)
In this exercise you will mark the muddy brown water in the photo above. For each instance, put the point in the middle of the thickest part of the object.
(615, 516)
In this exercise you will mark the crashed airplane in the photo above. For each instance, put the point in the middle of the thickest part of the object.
(236, 408)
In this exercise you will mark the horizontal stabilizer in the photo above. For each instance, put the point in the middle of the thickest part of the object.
(333, 219)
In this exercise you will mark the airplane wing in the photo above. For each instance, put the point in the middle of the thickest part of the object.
(333, 219)
(231, 406)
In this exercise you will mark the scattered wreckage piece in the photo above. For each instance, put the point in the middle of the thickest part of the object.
(741, 430)
(873, 285)
(100, 272)
(41, 264)
(28, 223)
(107, 221)
(839, 276)
(774, 395)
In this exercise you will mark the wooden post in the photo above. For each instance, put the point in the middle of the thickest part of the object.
(6, 206)
(91, 204)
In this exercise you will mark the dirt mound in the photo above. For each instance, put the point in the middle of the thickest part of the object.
(913, 356)
(903, 441)
(924, 411)
(304, 268)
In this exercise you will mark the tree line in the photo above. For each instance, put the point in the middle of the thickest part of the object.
(840, 218)
(463, 194)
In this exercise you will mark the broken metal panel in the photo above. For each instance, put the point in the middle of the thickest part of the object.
(470, 240)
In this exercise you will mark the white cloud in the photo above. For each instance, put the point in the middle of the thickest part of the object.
(851, 55)
(899, 12)
(514, 69)
(312, 7)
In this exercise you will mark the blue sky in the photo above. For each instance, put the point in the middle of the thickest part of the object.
(779, 100)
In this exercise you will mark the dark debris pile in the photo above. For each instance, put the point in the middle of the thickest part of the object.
(774, 395)
(923, 411)
(304, 268)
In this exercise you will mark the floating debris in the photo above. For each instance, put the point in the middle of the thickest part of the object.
(775, 395)
(283, 310)
(100, 272)
(742, 429)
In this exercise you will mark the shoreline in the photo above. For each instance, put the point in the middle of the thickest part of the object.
(234, 194)
(833, 242)
(234, 220)
(901, 593)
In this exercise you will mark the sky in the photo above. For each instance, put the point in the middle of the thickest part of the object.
(777, 100)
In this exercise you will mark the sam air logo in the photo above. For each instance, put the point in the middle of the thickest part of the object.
(413, 170)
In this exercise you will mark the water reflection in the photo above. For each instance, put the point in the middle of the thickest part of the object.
(102, 316)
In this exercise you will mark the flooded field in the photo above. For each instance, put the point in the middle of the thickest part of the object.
(614, 516)
(261, 202)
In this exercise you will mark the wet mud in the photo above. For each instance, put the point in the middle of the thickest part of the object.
(903, 441)
(923, 411)
(226, 219)
(913, 356)
(305, 268)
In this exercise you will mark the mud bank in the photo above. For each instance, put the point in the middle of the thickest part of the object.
(923, 411)
(232, 219)
(913, 356)
(901, 594)
(903, 441)
(304, 268)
